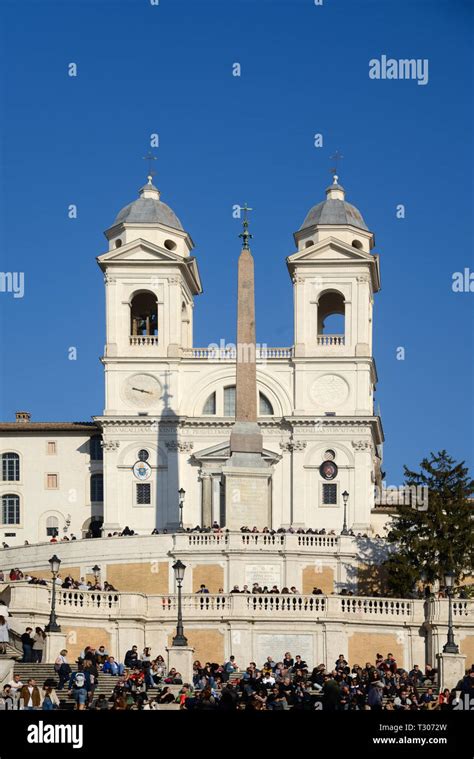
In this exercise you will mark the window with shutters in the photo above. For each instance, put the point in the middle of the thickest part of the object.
(329, 494)
(52, 481)
(51, 447)
(143, 493)
(97, 488)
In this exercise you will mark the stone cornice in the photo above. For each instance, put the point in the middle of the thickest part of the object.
(223, 425)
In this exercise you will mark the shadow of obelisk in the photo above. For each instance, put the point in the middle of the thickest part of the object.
(246, 473)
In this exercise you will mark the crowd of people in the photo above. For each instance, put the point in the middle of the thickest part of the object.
(273, 686)
(16, 575)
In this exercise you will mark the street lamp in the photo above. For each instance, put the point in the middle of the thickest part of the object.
(53, 626)
(179, 639)
(181, 493)
(450, 647)
(344, 530)
(96, 572)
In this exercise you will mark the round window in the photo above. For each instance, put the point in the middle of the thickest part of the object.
(143, 455)
(329, 455)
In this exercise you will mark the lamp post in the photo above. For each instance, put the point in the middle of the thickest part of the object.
(53, 626)
(179, 639)
(182, 493)
(344, 530)
(450, 647)
(96, 572)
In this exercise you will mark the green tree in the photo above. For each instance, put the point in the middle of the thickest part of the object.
(435, 536)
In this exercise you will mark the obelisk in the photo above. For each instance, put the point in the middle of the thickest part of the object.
(246, 437)
(247, 474)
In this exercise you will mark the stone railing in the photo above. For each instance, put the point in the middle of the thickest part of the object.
(380, 607)
(86, 599)
(26, 601)
(260, 541)
(229, 354)
(35, 557)
(330, 340)
(143, 340)
(437, 611)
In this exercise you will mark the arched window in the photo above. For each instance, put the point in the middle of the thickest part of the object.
(331, 312)
(229, 401)
(52, 526)
(144, 314)
(10, 467)
(10, 509)
(265, 408)
(97, 488)
(97, 453)
(210, 405)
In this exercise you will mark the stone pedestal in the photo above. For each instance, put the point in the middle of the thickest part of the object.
(181, 658)
(247, 495)
(53, 645)
(451, 669)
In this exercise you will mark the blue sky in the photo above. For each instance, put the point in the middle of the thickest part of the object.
(225, 140)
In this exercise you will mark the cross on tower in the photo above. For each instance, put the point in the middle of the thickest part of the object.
(245, 234)
(334, 170)
(150, 158)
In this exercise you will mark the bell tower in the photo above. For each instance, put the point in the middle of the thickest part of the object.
(151, 279)
(335, 276)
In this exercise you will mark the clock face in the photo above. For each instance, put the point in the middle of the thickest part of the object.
(328, 470)
(142, 390)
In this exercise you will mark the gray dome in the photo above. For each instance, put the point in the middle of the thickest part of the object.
(333, 211)
(148, 211)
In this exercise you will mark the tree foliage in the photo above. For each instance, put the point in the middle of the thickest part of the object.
(438, 537)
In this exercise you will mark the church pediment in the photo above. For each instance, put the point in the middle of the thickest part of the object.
(139, 251)
(221, 452)
(330, 249)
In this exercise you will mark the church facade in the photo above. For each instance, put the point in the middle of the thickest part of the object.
(154, 458)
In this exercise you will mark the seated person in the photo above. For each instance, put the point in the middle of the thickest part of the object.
(111, 667)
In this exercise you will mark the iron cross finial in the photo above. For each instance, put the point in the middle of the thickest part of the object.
(245, 234)
(150, 158)
(336, 158)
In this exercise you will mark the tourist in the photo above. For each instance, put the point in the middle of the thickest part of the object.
(102, 655)
(8, 698)
(111, 667)
(4, 634)
(165, 697)
(131, 657)
(444, 700)
(62, 668)
(78, 689)
(50, 699)
(375, 696)
(100, 703)
(16, 684)
(39, 642)
(30, 695)
(27, 644)
(202, 589)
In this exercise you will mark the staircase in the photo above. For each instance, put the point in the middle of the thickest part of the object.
(104, 683)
